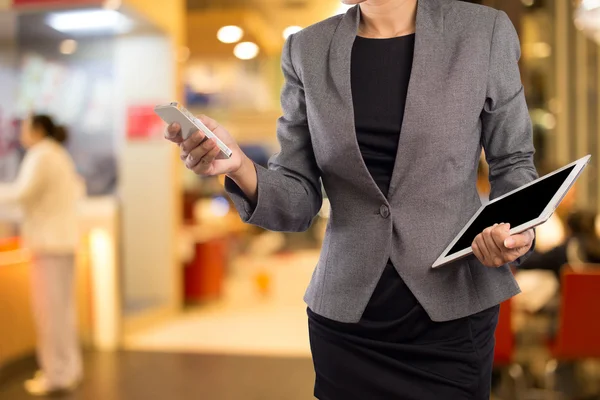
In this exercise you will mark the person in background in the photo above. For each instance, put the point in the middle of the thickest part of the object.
(47, 189)
(582, 246)
(539, 275)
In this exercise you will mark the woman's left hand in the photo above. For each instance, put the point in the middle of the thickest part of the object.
(495, 246)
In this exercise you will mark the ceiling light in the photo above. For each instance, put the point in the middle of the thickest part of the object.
(230, 34)
(219, 206)
(245, 50)
(541, 50)
(548, 121)
(590, 4)
(290, 30)
(89, 21)
(587, 19)
(68, 47)
(112, 4)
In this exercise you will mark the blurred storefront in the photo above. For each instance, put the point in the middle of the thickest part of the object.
(560, 68)
(155, 237)
(98, 67)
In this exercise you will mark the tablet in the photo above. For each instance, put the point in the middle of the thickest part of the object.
(523, 208)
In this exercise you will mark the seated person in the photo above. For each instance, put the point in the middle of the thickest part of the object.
(539, 275)
(582, 246)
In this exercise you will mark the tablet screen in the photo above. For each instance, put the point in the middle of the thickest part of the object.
(518, 208)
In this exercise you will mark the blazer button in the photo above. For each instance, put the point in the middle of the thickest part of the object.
(384, 211)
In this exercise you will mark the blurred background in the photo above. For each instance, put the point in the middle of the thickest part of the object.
(176, 297)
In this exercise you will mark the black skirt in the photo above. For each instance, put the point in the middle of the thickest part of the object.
(397, 352)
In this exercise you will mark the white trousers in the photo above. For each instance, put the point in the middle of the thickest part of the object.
(54, 310)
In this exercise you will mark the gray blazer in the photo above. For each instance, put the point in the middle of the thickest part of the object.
(465, 92)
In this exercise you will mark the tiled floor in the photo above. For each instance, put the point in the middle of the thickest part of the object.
(177, 376)
(248, 346)
(244, 322)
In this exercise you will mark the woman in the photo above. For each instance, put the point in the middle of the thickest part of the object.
(389, 105)
(47, 189)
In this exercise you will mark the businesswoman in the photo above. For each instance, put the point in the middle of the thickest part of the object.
(47, 189)
(389, 105)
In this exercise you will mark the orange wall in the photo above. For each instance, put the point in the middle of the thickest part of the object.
(16, 326)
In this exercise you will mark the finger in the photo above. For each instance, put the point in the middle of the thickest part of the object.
(205, 165)
(208, 122)
(477, 251)
(183, 155)
(519, 240)
(479, 244)
(494, 252)
(485, 254)
(212, 154)
(173, 133)
(199, 153)
(499, 235)
(193, 141)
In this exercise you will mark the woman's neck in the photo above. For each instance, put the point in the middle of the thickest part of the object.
(36, 141)
(387, 18)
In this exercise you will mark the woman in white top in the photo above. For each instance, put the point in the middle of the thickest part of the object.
(47, 190)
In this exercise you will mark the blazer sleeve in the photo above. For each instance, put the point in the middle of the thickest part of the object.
(289, 190)
(506, 125)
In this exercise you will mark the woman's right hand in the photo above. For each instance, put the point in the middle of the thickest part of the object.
(199, 153)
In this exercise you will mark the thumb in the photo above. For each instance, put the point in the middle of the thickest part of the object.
(517, 241)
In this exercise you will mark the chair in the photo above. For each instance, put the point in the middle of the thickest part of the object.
(504, 350)
(578, 334)
(505, 340)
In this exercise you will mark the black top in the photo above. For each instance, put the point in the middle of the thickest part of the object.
(380, 73)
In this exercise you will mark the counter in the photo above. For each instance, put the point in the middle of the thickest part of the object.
(96, 278)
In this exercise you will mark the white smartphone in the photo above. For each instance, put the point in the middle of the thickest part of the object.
(175, 112)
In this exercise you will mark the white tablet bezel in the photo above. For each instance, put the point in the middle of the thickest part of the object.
(544, 216)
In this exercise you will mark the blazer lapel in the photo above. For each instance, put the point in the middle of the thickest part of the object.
(426, 71)
(340, 60)
(428, 50)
